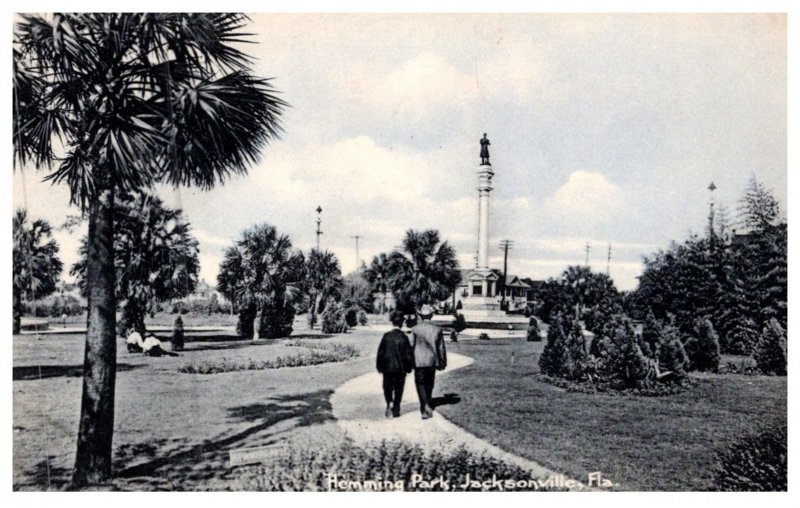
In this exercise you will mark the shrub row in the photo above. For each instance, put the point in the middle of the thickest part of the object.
(389, 464)
(336, 353)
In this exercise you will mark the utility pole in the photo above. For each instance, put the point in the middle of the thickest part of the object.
(505, 245)
(588, 248)
(357, 237)
(711, 189)
(319, 222)
(608, 262)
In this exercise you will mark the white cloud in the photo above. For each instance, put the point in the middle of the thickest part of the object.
(360, 170)
(415, 89)
(588, 197)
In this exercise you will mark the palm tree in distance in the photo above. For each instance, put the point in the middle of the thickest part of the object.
(132, 99)
(378, 276)
(36, 263)
(425, 272)
(262, 272)
(322, 279)
(155, 256)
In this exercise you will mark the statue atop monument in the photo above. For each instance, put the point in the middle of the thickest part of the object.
(485, 150)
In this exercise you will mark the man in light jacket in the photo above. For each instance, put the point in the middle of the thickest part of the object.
(430, 355)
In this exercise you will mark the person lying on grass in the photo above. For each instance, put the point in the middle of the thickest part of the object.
(150, 346)
(134, 341)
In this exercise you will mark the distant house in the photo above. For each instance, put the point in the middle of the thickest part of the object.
(203, 291)
(519, 291)
(516, 292)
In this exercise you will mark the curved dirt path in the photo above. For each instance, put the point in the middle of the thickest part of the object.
(358, 407)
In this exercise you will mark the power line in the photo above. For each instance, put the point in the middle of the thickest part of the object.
(588, 248)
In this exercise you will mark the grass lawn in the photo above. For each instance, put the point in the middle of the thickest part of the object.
(172, 430)
(648, 443)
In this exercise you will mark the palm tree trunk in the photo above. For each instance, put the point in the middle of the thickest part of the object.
(95, 431)
(133, 317)
(17, 313)
(246, 326)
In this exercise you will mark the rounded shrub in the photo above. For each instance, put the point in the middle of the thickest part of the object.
(333, 319)
(742, 338)
(460, 324)
(277, 319)
(533, 331)
(177, 334)
(755, 463)
(770, 353)
(351, 316)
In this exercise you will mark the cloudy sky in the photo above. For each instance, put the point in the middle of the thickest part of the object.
(605, 129)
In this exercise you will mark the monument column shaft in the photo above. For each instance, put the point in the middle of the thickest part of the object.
(483, 229)
(485, 175)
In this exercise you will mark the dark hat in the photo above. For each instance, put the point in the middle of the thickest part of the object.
(397, 317)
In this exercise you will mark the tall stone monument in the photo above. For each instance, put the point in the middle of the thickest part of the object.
(482, 281)
(481, 308)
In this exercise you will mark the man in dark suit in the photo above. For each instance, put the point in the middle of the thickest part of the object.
(430, 355)
(395, 360)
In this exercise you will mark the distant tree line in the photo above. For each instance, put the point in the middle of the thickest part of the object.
(725, 292)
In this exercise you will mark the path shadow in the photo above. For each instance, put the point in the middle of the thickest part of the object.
(446, 399)
(180, 464)
(43, 476)
(30, 372)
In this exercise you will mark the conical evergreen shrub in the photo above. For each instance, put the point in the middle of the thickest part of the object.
(703, 347)
(651, 336)
(770, 353)
(555, 360)
(672, 356)
(625, 365)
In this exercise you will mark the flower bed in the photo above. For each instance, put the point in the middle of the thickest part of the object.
(386, 466)
(313, 355)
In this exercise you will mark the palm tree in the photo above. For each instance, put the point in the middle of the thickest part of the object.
(132, 99)
(322, 279)
(262, 272)
(425, 272)
(378, 276)
(155, 256)
(36, 263)
(585, 288)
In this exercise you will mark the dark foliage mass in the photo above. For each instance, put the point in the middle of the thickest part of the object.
(155, 256)
(736, 280)
(36, 263)
(617, 359)
(756, 463)
(425, 271)
(577, 292)
(262, 273)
